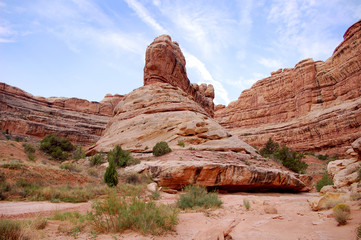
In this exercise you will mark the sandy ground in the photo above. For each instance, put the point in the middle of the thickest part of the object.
(293, 220)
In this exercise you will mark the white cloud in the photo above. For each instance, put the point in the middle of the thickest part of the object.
(145, 16)
(206, 77)
(270, 63)
(246, 83)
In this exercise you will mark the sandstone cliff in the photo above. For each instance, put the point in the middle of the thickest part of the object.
(312, 107)
(79, 120)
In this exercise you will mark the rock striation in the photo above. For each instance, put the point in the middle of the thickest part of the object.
(165, 63)
(314, 106)
(227, 171)
(79, 120)
(166, 109)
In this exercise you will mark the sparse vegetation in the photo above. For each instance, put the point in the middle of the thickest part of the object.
(93, 172)
(56, 147)
(341, 212)
(287, 157)
(116, 214)
(325, 180)
(358, 233)
(197, 196)
(78, 153)
(10, 230)
(181, 143)
(121, 158)
(97, 159)
(13, 164)
(111, 174)
(72, 167)
(246, 204)
(161, 148)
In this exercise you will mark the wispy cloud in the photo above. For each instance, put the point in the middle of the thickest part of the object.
(206, 77)
(145, 16)
(270, 63)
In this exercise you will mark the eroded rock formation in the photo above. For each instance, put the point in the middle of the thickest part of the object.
(79, 120)
(228, 171)
(164, 62)
(165, 109)
(311, 107)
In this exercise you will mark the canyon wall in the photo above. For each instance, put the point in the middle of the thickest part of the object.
(315, 106)
(79, 120)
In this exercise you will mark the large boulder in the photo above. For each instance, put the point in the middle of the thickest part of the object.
(228, 171)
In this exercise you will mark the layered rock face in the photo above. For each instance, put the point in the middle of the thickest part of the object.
(166, 110)
(165, 63)
(79, 120)
(312, 107)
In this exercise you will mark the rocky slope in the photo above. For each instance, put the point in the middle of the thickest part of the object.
(79, 120)
(312, 107)
(166, 110)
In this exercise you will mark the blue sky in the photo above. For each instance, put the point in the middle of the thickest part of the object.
(88, 48)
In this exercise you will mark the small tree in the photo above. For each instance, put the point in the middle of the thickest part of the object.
(119, 156)
(161, 148)
(56, 147)
(111, 175)
(269, 148)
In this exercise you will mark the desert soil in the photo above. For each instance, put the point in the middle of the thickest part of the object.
(294, 219)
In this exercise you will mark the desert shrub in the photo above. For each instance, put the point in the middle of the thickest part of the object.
(197, 196)
(56, 147)
(10, 230)
(116, 214)
(121, 158)
(269, 148)
(325, 180)
(181, 143)
(28, 148)
(284, 155)
(322, 157)
(111, 175)
(246, 203)
(97, 159)
(291, 159)
(341, 212)
(78, 153)
(161, 148)
(72, 167)
(39, 223)
(93, 172)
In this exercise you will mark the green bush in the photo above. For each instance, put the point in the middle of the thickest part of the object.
(291, 159)
(116, 214)
(325, 180)
(161, 148)
(111, 175)
(269, 148)
(56, 147)
(121, 158)
(10, 230)
(97, 159)
(197, 196)
(287, 157)
(92, 172)
(341, 212)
